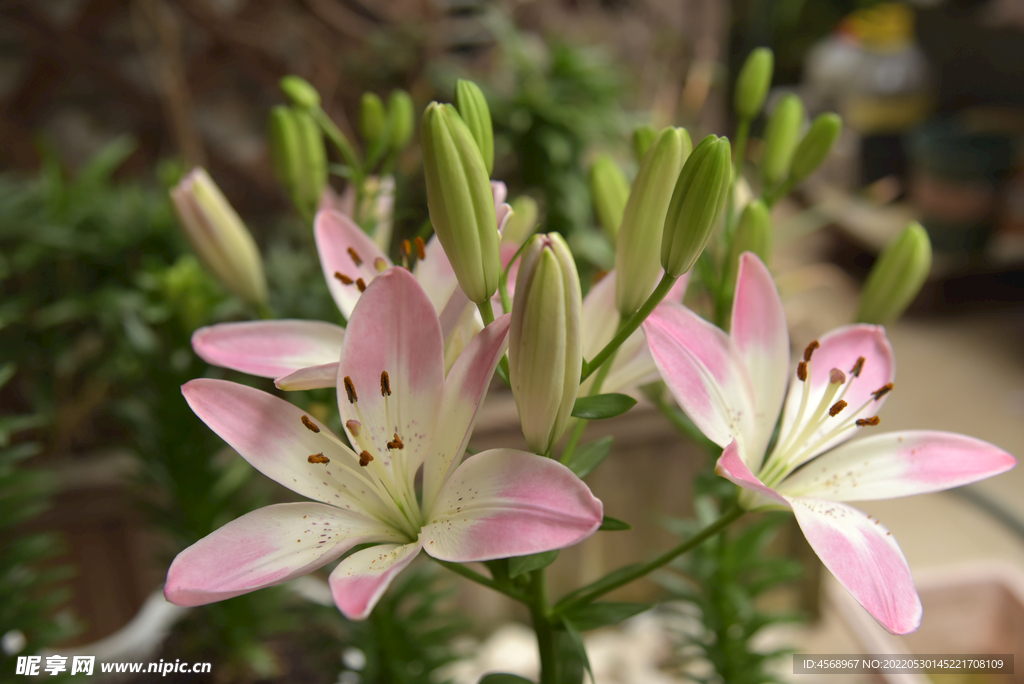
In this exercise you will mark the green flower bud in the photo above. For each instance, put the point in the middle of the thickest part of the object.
(697, 202)
(609, 190)
(545, 351)
(780, 139)
(815, 146)
(473, 109)
(896, 277)
(299, 158)
(523, 221)
(372, 119)
(643, 138)
(636, 252)
(218, 236)
(753, 234)
(300, 92)
(753, 82)
(460, 201)
(400, 118)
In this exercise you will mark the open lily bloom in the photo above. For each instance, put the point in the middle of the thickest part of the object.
(402, 414)
(732, 387)
(303, 355)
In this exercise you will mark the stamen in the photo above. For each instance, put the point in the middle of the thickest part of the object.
(353, 427)
(396, 443)
(355, 257)
(365, 458)
(345, 280)
(406, 248)
(873, 420)
(810, 350)
(385, 384)
(837, 407)
(361, 284)
(310, 425)
(421, 249)
(882, 391)
(318, 458)
(857, 367)
(836, 377)
(380, 264)
(350, 390)
(801, 371)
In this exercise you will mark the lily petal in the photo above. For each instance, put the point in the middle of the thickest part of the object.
(361, 579)
(865, 558)
(732, 466)
(600, 318)
(897, 464)
(345, 249)
(266, 547)
(503, 503)
(269, 349)
(704, 372)
(435, 274)
(759, 331)
(314, 377)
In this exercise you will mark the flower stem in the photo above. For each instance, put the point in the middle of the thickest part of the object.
(474, 576)
(581, 423)
(739, 153)
(341, 142)
(542, 626)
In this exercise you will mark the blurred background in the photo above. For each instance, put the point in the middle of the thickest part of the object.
(105, 473)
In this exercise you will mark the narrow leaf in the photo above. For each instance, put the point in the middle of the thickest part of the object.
(600, 614)
(602, 406)
(574, 653)
(589, 456)
(610, 524)
(520, 565)
(606, 581)
(504, 678)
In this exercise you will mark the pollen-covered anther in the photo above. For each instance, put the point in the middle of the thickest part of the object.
(801, 371)
(421, 248)
(318, 458)
(857, 367)
(837, 407)
(365, 458)
(353, 427)
(350, 390)
(345, 280)
(385, 384)
(380, 264)
(810, 350)
(882, 391)
(873, 420)
(406, 248)
(836, 377)
(355, 256)
(361, 284)
(396, 443)
(310, 425)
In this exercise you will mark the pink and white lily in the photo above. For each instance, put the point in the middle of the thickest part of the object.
(402, 414)
(732, 387)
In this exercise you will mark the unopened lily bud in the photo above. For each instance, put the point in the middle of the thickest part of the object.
(753, 234)
(780, 139)
(460, 201)
(473, 109)
(299, 158)
(400, 117)
(545, 352)
(753, 82)
(896, 277)
(300, 92)
(523, 221)
(372, 120)
(609, 190)
(697, 201)
(815, 146)
(636, 251)
(218, 236)
(643, 138)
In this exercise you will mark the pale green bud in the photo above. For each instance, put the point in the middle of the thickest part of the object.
(815, 146)
(753, 82)
(545, 351)
(372, 120)
(780, 139)
(300, 92)
(896, 277)
(636, 251)
(460, 201)
(643, 138)
(299, 157)
(753, 234)
(400, 117)
(697, 201)
(473, 109)
(609, 190)
(218, 236)
(523, 221)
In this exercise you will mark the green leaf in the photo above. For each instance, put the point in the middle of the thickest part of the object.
(571, 654)
(502, 678)
(600, 614)
(610, 524)
(602, 406)
(586, 458)
(520, 565)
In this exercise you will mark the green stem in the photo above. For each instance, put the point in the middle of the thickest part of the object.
(585, 595)
(335, 135)
(542, 626)
(771, 197)
(474, 576)
(739, 152)
(581, 423)
(630, 326)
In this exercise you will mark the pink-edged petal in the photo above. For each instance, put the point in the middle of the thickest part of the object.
(435, 274)
(500, 192)
(759, 331)
(600, 318)
(732, 467)
(840, 349)
(314, 377)
(502, 212)
(503, 503)
(266, 547)
(393, 329)
(897, 464)
(865, 558)
(269, 349)
(704, 372)
(464, 392)
(345, 249)
(269, 433)
(361, 579)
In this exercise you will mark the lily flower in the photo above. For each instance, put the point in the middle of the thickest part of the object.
(401, 413)
(732, 387)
